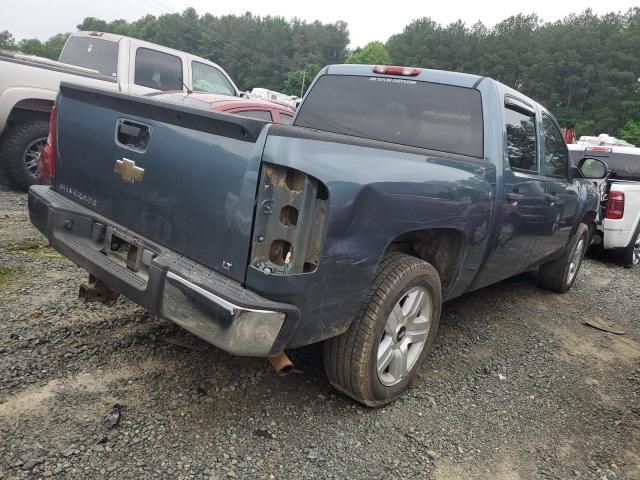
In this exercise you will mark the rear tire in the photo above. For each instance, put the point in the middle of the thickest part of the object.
(20, 150)
(560, 274)
(630, 256)
(378, 357)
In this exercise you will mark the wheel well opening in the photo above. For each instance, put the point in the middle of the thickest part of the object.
(441, 247)
(30, 109)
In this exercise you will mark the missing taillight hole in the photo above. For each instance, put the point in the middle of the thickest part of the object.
(289, 216)
(295, 180)
(309, 267)
(278, 251)
(322, 193)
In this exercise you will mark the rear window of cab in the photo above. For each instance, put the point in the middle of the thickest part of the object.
(404, 111)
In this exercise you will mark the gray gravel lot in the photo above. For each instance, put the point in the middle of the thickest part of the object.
(517, 387)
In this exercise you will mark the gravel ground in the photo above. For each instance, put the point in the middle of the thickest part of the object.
(517, 387)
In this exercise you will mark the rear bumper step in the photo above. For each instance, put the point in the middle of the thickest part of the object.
(208, 304)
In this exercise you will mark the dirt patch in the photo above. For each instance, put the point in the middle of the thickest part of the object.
(581, 342)
(499, 468)
(37, 399)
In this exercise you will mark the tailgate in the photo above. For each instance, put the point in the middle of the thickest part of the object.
(178, 176)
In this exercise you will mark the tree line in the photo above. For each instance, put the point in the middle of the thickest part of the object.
(584, 67)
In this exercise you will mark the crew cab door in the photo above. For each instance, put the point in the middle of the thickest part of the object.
(561, 194)
(523, 206)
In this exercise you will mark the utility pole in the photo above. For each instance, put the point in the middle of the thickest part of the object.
(304, 74)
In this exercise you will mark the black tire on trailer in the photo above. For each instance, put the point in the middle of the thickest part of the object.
(630, 255)
(20, 150)
(560, 274)
(378, 357)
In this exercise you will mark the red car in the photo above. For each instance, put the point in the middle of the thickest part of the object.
(246, 107)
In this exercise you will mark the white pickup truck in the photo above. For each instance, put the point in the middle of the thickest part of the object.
(29, 85)
(619, 225)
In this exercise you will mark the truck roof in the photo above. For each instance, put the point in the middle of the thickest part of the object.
(113, 37)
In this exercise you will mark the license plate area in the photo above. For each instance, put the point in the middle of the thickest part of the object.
(127, 252)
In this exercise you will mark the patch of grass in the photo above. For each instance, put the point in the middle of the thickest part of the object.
(34, 247)
(6, 274)
(26, 245)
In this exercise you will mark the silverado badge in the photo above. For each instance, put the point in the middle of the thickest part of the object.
(128, 171)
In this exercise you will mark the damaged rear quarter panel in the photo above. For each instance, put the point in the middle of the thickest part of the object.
(375, 195)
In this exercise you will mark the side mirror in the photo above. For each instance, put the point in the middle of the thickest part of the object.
(244, 95)
(593, 168)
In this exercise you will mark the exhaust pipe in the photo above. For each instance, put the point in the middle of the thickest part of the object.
(96, 291)
(281, 364)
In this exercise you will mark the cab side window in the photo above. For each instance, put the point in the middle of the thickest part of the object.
(556, 155)
(209, 79)
(521, 139)
(158, 70)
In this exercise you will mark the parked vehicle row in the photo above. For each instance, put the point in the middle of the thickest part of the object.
(29, 85)
(392, 192)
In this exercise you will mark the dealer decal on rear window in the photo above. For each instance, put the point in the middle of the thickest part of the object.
(392, 80)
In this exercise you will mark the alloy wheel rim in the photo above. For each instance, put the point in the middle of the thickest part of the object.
(576, 258)
(405, 335)
(32, 155)
(636, 251)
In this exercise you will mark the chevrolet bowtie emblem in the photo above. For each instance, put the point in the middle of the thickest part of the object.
(128, 171)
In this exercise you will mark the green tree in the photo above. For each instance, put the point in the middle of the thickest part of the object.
(373, 53)
(294, 82)
(53, 46)
(631, 132)
(583, 67)
(92, 24)
(7, 42)
(32, 46)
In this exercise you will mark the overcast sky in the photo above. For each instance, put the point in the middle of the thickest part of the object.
(367, 20)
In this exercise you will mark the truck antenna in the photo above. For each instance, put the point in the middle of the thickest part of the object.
(189, 91)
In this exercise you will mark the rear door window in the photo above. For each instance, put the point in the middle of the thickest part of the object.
(556, 156)
(521, 139)
(158, 70)
(90, 52)
(398, 110)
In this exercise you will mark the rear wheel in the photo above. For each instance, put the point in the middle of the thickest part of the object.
(379, 356)
(560, 274)
(631, 254)
(20, 151)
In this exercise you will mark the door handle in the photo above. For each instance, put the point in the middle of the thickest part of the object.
(133, 135)
(514, 197)
(551, 198)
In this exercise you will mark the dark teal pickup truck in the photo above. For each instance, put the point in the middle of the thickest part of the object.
(395, 189)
